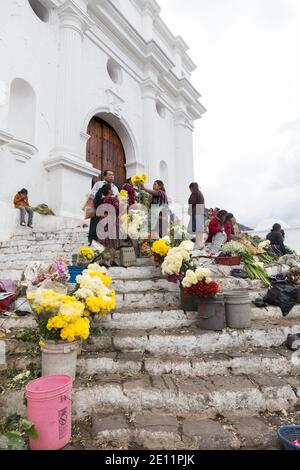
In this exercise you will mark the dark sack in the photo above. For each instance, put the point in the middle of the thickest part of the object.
(240, 273)
(284, 295)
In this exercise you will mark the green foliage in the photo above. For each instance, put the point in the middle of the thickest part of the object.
(15, 431)
(14, 379)
(27, 335)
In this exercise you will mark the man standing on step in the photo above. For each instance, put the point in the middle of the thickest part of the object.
(109, 177)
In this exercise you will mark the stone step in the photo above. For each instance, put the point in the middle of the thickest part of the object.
(156, 430)
(137, 316)
(190, 341)
(188, 396)
(278, 361)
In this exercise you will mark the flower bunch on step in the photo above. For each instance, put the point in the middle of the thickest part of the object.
(200, 283)
(178, 259)
(161, 248)
(86, 255)
(94, 291)
(59, 316)
(135, 224)
(36, 273)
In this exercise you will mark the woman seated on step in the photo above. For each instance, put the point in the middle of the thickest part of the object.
(104, 228)
(21, 203)
(218, 232)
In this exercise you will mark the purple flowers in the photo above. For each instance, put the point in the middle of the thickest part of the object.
(174, 278)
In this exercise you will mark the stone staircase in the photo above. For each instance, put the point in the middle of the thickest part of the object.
(37, 246)
(153, 379)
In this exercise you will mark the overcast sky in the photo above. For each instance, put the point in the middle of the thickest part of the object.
(247, 145)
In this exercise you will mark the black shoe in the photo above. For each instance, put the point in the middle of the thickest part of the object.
(114, 264)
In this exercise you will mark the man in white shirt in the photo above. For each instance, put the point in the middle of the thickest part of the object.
(109, 177)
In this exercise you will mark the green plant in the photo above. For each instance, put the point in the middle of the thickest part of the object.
(15, 431)
(27, 334)
(255, 269)
(16, 379)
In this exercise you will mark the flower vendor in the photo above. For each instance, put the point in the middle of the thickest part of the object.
(159, 199)
(111, 241)
(218, 231)
(277, 240)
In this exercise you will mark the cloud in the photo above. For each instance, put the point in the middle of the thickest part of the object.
(247, 146)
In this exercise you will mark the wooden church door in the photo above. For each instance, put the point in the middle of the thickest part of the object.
(105, 150)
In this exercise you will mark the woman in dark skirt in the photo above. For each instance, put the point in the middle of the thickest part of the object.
(196, 213)
(105, 196)
(159, 199)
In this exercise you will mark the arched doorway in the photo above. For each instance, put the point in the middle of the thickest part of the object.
(105, 150)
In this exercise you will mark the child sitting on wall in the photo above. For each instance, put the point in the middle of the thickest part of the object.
(21, 203)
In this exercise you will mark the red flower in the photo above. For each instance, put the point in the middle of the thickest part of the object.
(202, 289)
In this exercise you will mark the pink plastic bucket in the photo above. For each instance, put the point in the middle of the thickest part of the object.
(49, 409)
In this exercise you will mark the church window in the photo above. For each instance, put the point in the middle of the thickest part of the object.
(161, 109)
(40, 10)
(22, 111)
(114, 71)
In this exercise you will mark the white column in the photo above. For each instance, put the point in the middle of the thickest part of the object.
(184, 160)
(67, 165)
(150, 137)
(67, 133)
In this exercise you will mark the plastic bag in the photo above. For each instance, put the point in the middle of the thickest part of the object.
(260, 303)
(240, 273)
(282, 294)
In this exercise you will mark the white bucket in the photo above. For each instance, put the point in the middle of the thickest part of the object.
(238, 309)
(59, 358)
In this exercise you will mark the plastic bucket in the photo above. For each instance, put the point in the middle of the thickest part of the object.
(59, 358)
(212, 314)
(188, 302)
(238, 310)
(74, 271)
(289, 434)
(49, 409)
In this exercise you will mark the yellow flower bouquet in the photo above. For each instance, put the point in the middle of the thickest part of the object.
(59, 316)
(94, 291)
(160, 249)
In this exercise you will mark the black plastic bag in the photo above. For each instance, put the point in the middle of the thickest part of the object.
(282, 294)
(260, 303)
(240, 273)
(293, 342)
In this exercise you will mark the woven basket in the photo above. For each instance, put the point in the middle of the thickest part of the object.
(229, 260)
(287, 435)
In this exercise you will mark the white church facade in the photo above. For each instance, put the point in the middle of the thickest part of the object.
(89, 85)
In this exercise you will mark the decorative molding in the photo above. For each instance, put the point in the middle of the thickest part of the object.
(59, 160)
(115, 102)
(51, 3)
(84, 137)
(5, 138)
(23, 151)
(182, 119)
(73, 17)
(114, 25)
(135, 167)
(150, 89)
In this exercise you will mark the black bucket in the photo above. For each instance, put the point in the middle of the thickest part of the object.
(212, 314)
(188, 302)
